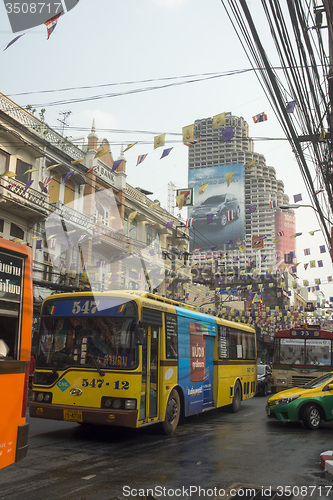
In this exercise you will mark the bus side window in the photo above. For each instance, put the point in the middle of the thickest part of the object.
(9, 335)
(4, 349)
(171, 336)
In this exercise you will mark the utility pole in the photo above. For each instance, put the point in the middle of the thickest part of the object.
(171, 197)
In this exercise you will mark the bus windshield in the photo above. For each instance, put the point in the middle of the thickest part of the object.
(108, 342)
(304, 352)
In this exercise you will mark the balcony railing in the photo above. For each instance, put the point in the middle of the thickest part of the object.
(37, 127)
(15, 191)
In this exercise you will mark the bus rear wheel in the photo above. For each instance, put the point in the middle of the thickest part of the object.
(237, 398)
(172, 413)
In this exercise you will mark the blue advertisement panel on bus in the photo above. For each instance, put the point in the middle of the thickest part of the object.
(195, 351)
(219, 207)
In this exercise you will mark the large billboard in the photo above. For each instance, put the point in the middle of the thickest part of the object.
(285, 228)
(219, 207)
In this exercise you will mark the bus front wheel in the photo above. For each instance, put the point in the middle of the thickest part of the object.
(237, 398)
(172, 413)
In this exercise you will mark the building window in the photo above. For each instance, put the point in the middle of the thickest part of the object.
(54, 188)
(157, 243)
(16, 231)
(2, 222)
(149, 236)
(69, 194)
(21, 169)
(4, 161)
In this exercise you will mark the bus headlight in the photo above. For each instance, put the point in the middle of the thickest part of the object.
(281, 381)
(130, 404)
(116, 404)
(45, 397)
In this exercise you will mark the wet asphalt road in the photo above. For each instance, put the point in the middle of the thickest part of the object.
(212, 452)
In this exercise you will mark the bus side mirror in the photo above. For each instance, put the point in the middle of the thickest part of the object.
(330, 387)
(139, 333)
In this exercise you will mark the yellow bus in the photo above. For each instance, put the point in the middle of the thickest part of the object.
(130, 358)
(15, 346)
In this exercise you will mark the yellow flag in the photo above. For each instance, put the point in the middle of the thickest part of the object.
(53, 166)
(219, 120)
(9, 174)
(250, 164)
(203, 188)
(228, 177)
(132, 216)
(276, 240)
(188, 133)
(242, 248)
(154, 205)
(180, 200)
(76, 162)
(159, 140)
(129, 146)
(101, 152)
(30, 170)
(312, 263)
(322, 135)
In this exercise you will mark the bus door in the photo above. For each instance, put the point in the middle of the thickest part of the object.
(149, 384)
(15, 346)
(209, 370)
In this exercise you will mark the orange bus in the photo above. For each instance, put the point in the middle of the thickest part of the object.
(16, 311)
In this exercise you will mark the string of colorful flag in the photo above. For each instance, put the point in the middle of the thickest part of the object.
(50, 26)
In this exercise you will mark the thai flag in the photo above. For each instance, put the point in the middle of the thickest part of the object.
(51, 24)
(189, 144)
(47, 181)
(280, 233)
(189, 222)
(261, 117)
(141, 158)
(230, 215)
(274, 203)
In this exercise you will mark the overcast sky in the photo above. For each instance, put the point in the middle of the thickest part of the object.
(110, 42)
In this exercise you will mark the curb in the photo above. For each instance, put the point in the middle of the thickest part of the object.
(326, 461)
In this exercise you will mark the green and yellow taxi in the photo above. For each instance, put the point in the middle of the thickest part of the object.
(310, 403)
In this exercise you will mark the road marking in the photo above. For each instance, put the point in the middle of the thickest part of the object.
(89, 477)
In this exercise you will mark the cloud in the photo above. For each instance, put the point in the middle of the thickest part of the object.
(102, 119)
(171, 3)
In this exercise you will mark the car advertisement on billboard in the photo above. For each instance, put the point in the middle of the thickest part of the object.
(219, 207)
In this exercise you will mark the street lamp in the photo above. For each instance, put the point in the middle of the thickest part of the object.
(286, 206)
